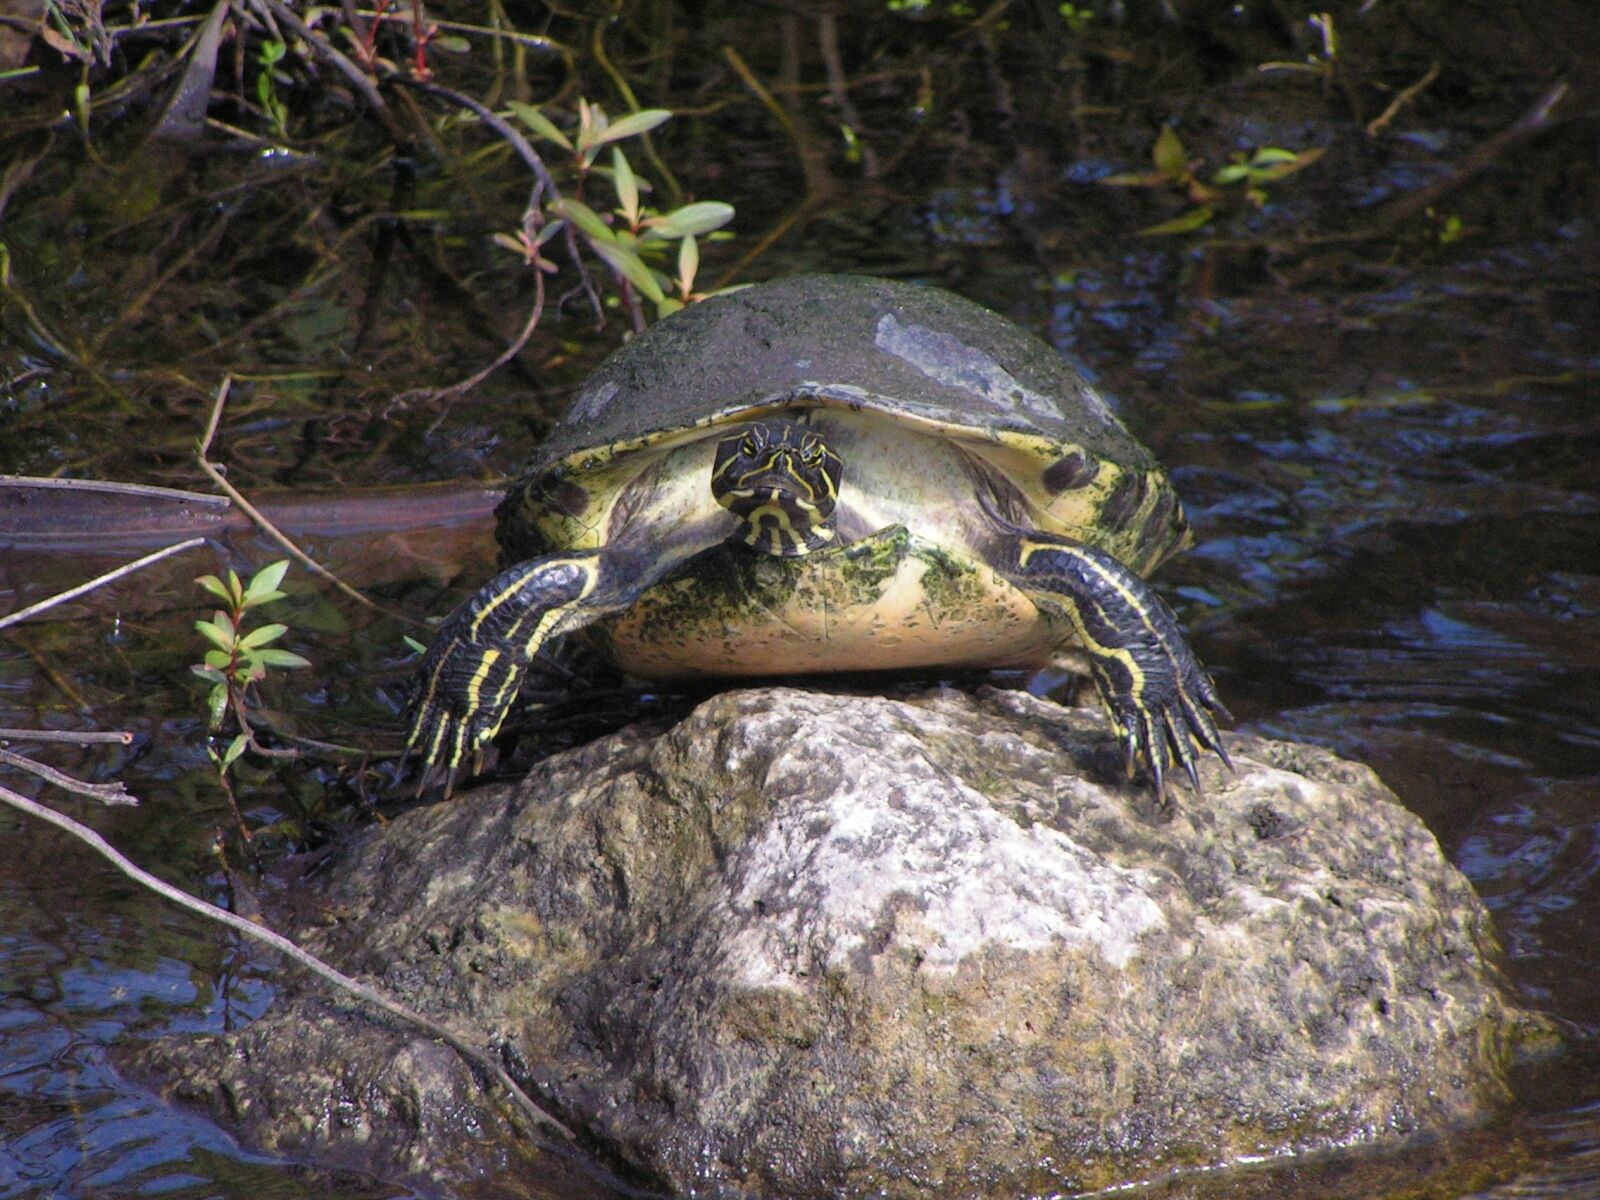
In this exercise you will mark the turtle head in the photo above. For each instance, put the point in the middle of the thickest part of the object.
(781, 480)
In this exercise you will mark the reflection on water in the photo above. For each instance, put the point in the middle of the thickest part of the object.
(1390, 452)
(70, 1124)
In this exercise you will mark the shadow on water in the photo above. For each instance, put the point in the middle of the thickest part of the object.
(1386, 434)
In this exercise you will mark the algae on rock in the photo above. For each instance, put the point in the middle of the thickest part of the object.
(805, 943)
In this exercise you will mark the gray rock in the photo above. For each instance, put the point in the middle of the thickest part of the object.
(809, 943)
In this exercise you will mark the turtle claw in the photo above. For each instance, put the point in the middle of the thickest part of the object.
(1167, 724)
(463, 692)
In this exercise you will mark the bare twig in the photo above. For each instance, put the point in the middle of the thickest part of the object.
(1531, 122)
(839, 91)
(256, 515)
(820, 184)
(120, 737)
(537, 41)
(358, 78)
(106, 793)
(112, 487)
(1403, 98)
(493, 120)
(283, 945)
(421, 395)
(34, 610)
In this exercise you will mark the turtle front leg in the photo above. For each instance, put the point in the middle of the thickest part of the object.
(470, 675)
(1159, 697)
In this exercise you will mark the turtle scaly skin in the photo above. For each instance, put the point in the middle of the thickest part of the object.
(828, 474)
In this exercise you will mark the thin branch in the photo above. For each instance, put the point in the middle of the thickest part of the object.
(119, 737)
(106, 793)
(1535, 120)
(422, 395)
(1403, 98)
(625, 90)
(493, 120)
(283, 945)
(839, 90)
(114, 488)
(538, 41)
(34, 610)
(529, 156)
(358, 78)
(255, 514)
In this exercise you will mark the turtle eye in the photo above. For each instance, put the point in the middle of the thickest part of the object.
(811, 452)
(748, 444)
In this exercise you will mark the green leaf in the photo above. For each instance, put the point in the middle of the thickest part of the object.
(541, 125)
(218, 660)
(642, 121)
(585, 218)
(1273, 154)
(627, 186)
(209, 674)
(1298, 162)
(217, 705)
(516, 245)
(631, 266)
(450, 43)
(1231, 173)
(273, 657)
(691, 220)
(216, 587)
(219, 631)
(1144, 179)
(1169, 155)
(1194, 219)
(235, 748)
(413, 643)
(668, 305)
(266, 581)
(257, 638)
(688, 264)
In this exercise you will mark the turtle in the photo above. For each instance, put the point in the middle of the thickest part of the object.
(832, 473)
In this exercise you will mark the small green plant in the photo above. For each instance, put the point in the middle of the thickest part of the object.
(238, 658)
(1174, 168)
(1325, 62)
(633, 240)
(271, 54)
(1076, 17)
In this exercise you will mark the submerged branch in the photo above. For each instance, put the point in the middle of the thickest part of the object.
(283, 945)
(255, 514)
(34, 610)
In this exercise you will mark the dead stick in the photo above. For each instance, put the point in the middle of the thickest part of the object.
(119, 737)
(255, 514)
(34, 610)
(284, 946)
(460, 387)
(1400, 101)
(358, 78)
(106, 793)
(1531, 122)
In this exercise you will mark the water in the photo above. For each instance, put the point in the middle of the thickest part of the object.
(1388, 446)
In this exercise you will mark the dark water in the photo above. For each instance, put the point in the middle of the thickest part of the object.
(1389, 446)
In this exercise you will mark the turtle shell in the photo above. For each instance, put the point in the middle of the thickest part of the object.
(917, 353)
(920, 357)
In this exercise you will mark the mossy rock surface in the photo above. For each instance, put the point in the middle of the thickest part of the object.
(805, 943)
